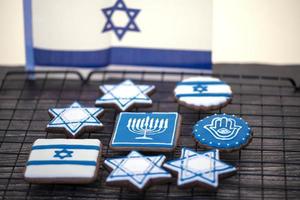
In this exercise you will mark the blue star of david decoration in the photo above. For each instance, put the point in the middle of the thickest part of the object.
(110, 25)
(125, 95)
(199, 167)
(74, 118)
(136, 168)
(200, 88)
(64, 153)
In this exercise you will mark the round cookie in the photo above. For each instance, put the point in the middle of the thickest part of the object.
(203, 93)
(223, 132)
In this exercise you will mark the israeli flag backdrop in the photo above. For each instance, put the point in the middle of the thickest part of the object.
(98, 33)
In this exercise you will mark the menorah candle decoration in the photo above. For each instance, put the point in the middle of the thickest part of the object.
(146, 131)
(147, 126)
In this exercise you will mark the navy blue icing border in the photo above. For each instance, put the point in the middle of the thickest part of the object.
(205, 137)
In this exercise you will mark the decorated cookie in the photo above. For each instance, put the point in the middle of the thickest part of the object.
(125, 95)
(203, 93)
(136, 169)
(156, 131)
(71, 161)
(224, 132)
(201, 169)
(74, 120)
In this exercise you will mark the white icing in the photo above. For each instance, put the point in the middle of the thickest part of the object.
(78, 154)
(67, 141)
(203, 100)
(62, 170)
(74, 115)
(125, 94)
(74, 118)
(136, 168)
(137, 165)
(199, 167)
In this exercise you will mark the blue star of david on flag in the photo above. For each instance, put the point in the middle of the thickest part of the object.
(115, 14)
(136, 168)
(74, 119)
(64, 153)
(200, 88)
(125, 95)
(193, 167)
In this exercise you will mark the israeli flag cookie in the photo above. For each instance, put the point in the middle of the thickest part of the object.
(125, 95)
(203, 93)
(70, 161)
(153, 131)
(136, 169)
(199, 169)
(222, 131)
(74, 120)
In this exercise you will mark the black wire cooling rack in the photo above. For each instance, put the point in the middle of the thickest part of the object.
(269, 167)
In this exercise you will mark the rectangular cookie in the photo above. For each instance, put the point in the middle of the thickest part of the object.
(152, 131)
(72, 161)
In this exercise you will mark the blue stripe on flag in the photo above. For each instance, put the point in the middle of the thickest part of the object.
(202, 83)
(28, 35)
(204, 95)
(124, 56)
(65, 146)
(61, 162)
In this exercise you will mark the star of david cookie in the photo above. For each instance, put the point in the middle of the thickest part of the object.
(138, 170)
(154, 131)
(199, 169)
(125, 95)
(70, 161)
(203, 93)
(224, 132)
(74, 120)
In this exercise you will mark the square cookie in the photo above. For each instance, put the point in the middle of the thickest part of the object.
(154, 131)
(72, 161)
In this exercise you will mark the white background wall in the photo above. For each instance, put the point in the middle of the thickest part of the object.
(244, 31)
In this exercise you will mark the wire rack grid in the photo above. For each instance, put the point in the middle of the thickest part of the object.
(268, 168)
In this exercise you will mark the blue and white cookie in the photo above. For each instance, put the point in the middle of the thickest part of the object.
(136, 169)
(74, 120)
(222, 131)
(153, 131)
(70, 161)
(199, 169)
(125, 95)
(203, 93)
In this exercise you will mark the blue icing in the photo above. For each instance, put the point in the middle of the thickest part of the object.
(64, 153)
(200, 88)
(145, 130)
(222, 131)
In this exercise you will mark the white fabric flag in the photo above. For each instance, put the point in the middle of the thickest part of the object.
(97, 33)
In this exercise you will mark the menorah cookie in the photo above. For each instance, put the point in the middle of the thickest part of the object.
(74, 120)
(125, 95)
(154, 131)
(138, 170)
(222, 131)
(70, 161)
(203, 93)
(199, 169)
